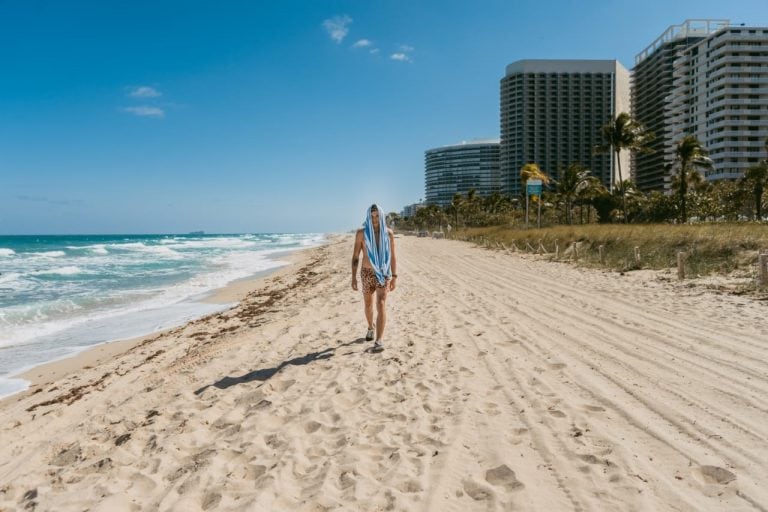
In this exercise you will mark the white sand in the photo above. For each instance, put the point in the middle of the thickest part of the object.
(508, 383)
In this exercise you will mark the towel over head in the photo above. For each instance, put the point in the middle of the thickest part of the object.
(378, 248)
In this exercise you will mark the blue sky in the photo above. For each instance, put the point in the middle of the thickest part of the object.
(251, 116)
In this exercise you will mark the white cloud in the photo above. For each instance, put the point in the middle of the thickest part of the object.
(406, 48)
(145, 111)
(337, 27)
(362, 43)
(401, 57)
(374, 51)
(144, 91)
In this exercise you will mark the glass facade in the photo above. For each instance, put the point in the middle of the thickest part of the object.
(460, 168)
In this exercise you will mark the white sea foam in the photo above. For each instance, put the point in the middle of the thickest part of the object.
(159, 250)
(6, 252)
(61, 271)
(49, 254)
(213, 243)
(10, 387)
(9, 278)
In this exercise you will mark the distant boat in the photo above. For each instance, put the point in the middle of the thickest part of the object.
(196, 232)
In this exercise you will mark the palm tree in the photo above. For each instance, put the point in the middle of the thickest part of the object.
(472, 206)
(571, 181)
(620, 134)
(690, 155)
(457, 204)
(756, 178)
(588, 191)
(532, 171)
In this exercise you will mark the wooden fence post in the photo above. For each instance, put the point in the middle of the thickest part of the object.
(762, 269)
(637, 256)
(557, 248)
(575, 251)
(541, 248)
(601, 251)
(681, 265)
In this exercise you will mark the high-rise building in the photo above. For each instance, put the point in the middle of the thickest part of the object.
(720, 95)
(652, 92)
(552, 112)
(459, 168)
(410, 210)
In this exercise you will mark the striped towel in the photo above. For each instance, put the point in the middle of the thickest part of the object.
(380, 254)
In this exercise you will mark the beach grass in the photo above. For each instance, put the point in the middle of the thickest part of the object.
(709, 248)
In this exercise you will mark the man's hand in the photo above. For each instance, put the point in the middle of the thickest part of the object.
(392, 284)
(354, 283)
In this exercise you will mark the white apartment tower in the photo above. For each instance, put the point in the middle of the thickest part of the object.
(552, 112)
(652, 91)
(720, 95)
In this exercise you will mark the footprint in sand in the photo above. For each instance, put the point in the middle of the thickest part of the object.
(594, 408)
(346, 480)
(282, 385)
(477, 491)
(97, 467)
(67, 456)
(556, 413)
(409, 486)
(210, 500)
(716, 475)
(592, 459)
(557, 366)
(503, 476)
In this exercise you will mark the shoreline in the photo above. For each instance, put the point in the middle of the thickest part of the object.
(232, 293)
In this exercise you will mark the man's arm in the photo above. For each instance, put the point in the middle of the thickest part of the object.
(393, 258)
(355, 259)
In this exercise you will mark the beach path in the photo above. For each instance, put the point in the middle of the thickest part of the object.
(507, 383)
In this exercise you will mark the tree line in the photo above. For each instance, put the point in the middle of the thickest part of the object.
(576, 196)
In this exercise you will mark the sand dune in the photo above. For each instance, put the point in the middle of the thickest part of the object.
(508, 383)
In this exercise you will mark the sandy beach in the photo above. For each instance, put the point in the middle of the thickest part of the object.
(507, 383)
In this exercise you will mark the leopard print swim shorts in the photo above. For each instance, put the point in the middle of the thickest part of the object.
(368, 278)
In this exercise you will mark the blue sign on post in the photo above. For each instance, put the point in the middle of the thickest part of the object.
(533, 187)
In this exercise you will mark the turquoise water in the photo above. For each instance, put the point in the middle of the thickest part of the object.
(62, 294)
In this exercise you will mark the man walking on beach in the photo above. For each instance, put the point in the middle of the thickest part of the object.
(378, 272)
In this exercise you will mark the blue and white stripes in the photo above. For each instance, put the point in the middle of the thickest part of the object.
(379, 254)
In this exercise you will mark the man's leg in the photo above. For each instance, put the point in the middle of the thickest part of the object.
(368, 300)
(381, 311)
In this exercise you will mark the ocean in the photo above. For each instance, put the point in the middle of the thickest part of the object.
(60, 295)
